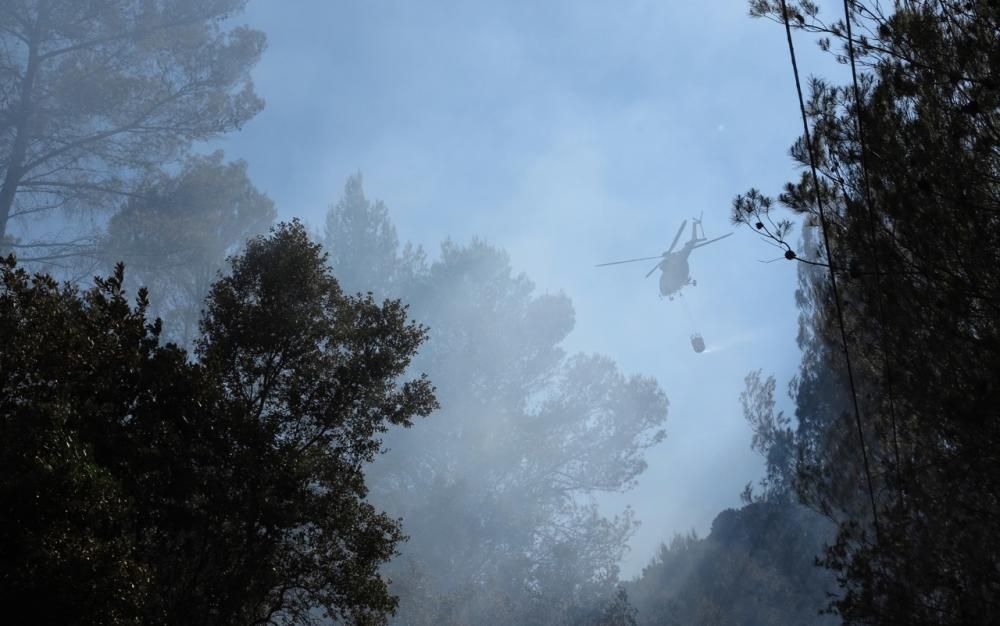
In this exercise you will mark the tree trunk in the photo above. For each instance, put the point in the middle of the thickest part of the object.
(22, 132)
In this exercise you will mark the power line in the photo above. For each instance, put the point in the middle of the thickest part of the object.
(833, 276)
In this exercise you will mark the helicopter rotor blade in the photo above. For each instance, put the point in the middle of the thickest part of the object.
(705, 243)
(645, 258)
(655, 267)
(676, 238)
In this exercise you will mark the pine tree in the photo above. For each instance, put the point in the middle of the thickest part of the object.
(908, 168)
(98, 94)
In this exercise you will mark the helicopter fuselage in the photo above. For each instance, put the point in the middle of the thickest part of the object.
(675, 273)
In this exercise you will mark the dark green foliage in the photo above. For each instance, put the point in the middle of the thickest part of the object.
(67, 550)
(95, 93)
(756, 567)
(143, 487)
(915, 245)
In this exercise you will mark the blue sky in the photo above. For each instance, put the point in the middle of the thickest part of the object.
(569, 133)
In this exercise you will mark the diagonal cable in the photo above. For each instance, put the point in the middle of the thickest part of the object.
(833, 276)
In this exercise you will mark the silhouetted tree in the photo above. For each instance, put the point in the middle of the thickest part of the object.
(93, 93)
(141, 486)
(911, 198)
(758, 565)
(755, 568)
(66, 545)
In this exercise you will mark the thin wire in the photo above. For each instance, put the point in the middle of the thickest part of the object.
(874, 245)
(687, 311)
(833, 276)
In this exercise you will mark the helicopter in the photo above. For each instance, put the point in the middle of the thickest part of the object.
(674, 268)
